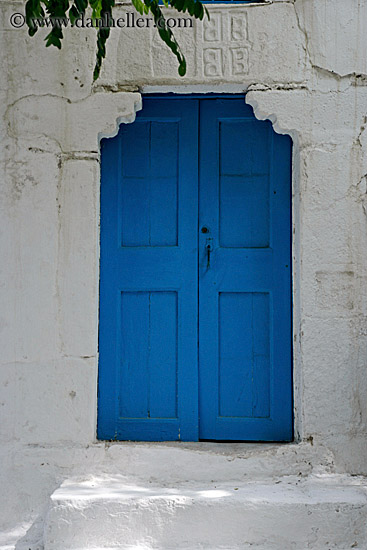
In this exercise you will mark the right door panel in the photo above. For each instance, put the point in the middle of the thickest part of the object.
(245, 357)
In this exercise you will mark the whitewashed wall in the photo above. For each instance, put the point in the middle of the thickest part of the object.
(304, 66)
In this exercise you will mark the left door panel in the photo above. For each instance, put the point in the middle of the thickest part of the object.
(148, 376)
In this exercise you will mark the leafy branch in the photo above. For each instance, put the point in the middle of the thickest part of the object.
(58, 13)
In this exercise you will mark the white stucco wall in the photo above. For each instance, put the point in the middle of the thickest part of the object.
(303, 64)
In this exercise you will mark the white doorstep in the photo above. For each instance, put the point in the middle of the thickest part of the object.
(325, 512)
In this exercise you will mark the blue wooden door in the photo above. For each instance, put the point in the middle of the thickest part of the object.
(148, 284)
(245, 287)
(195, 301)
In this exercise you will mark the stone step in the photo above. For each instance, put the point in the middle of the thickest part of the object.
(325, 512)
(178, 462)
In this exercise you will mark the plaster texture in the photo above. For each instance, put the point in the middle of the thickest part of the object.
(109, 512)
(303, 66)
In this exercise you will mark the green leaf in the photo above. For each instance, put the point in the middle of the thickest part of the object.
(139, 6)
(190, 7)
(199, 10)
(182, 68)
(53, 40)
(33, 11)
(73, 14)
(178, 4)
(102, 36)
(166, 34)
(96, 6)
(81, 5)
(77, 10)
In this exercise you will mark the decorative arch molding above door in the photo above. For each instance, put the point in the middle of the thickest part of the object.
(195, 336)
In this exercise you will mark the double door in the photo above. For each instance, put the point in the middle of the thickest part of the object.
(195, 276)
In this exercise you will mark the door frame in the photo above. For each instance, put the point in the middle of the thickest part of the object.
(173, 95)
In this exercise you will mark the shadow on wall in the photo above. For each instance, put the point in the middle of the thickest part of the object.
(26, 536)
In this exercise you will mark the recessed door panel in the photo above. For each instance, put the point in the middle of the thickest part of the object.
(148, 355)
(244, 355)
(149, 172)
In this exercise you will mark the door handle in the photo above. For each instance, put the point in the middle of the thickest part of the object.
(208, 248)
